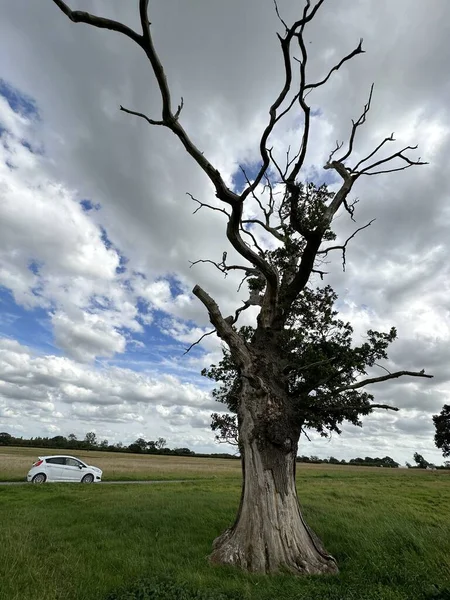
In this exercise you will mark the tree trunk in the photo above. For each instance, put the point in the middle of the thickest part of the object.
(269, 533)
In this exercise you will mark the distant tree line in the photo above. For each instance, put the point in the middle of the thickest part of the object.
(159, 446)
(91, 442)
(368, 461)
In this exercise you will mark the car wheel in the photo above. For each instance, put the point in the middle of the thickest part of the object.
(87, 478)
(39, 478)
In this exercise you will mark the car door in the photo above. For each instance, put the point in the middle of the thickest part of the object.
(54, 468)
(73, 469)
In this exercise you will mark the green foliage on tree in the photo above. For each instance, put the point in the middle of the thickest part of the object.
(321, 362)
(442, 425)
(5, 439)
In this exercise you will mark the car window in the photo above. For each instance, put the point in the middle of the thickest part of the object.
(72, 462)
(56, 460)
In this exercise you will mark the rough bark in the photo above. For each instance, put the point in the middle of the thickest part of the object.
(270, 533)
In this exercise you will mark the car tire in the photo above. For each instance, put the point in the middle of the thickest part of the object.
(39, 478)
(89, 478)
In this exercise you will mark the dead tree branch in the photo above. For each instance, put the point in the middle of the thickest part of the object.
(343, 247)
(338, 164)
(224, 328)
(385, 141)
(254, 241)
(371, 380)
(275, 305)
(171, 121)
(255, 299)
(267, 212)
(141, 115)
(357, 50)
(199, 340)
(79, 16)
(408, 161)
(202, 204)
(319, 272)
(279, 16)
(306, 435)
(384, 368)
(291, 32)
(275, 231)
(169, 118)
(355, 125)
(224, 268)
(362, 408)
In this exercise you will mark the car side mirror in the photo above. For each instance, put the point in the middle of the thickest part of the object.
(80, 466)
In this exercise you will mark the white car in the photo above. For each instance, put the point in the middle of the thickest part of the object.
(63, 468)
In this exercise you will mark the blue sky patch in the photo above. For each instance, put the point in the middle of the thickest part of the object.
(105, 239)
(34, 266)
(88, 205)
(322, 176)
(123, 261)
(175, 285)
(151, 349)
(19, 102)
(239, 180)
(109, 245)
(29, 327)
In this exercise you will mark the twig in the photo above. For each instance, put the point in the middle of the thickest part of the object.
(410, 163)
(141, 115)
(291, 33)
(306, 435)
(355, 125)
(223, 267)
(333, 152)
(357, 50)
(388, 139)
(279, 16)
(273, 230)
(343, 247)
(384, 368)
(318, 272)
(202, 204)
(252, 237)
(199, 340)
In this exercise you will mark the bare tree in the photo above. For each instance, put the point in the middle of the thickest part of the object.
(297, 367)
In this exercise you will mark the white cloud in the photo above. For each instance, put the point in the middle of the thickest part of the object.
(88, 337)
(37, 388)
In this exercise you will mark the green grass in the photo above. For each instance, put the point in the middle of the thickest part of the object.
(390, 532)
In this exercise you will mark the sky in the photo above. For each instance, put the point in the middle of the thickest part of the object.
(97, 230)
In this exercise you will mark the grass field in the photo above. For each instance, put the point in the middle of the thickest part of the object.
(16, 462)
(388, 529)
